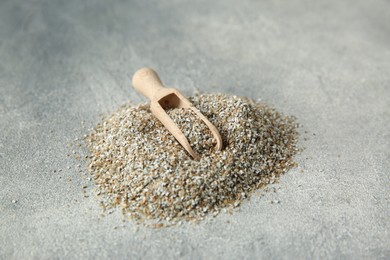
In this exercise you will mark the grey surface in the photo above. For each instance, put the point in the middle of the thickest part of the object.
(326, 62)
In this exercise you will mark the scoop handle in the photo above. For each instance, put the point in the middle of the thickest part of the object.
(147, 82)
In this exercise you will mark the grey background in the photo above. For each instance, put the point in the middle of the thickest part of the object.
(326, 62)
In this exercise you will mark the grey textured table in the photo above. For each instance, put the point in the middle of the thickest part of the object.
(326, 62)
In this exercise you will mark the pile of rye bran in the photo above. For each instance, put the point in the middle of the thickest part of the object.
(137, 165)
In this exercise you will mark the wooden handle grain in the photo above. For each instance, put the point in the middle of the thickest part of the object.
(147, 82)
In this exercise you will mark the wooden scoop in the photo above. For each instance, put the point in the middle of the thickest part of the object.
(147, 82)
